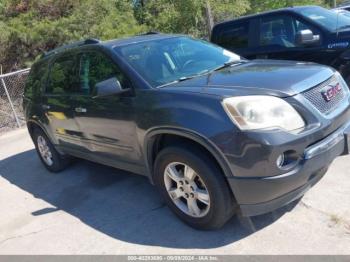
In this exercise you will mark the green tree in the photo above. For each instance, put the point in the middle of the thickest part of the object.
(184, 16)
(30, 27)
(259, 6)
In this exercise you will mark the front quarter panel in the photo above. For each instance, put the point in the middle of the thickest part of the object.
(201, 113)
(195, 116)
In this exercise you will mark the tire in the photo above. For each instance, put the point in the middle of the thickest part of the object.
(58, 162)
(215, 210)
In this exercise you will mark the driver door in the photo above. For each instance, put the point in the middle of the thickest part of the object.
(106, 123)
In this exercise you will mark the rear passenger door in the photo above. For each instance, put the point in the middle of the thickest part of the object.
(56, 101)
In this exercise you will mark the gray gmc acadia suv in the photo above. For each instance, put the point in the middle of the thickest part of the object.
(214, 132)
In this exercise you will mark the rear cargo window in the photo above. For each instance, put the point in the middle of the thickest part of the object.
(234, 36)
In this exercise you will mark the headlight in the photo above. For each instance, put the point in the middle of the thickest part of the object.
(262, 112)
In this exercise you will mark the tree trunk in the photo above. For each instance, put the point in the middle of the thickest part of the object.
(210, 21)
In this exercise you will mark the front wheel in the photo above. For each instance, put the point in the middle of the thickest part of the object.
(193, 187)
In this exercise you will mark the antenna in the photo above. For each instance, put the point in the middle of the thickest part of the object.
(150, 33)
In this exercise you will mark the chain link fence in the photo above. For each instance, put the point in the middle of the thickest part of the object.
(11, 96)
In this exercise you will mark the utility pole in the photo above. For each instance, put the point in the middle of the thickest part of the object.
(334, 3)
(210, 20)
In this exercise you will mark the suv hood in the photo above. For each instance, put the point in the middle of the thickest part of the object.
(259, 77)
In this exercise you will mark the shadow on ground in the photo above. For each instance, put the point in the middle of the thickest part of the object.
(119, 204)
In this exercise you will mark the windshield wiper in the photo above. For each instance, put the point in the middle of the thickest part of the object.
(204, 72)
(343, 27)
(228, 64)
(184, 78)
(193, 76)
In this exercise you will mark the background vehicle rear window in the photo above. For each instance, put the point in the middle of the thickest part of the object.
(234, 36)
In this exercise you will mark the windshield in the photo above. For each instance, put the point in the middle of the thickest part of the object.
(343, 12)
(326, 18)
(174, 59)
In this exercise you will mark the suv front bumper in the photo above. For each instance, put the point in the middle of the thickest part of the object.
(259, 195)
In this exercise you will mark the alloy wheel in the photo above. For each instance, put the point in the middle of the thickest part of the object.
(186, 189)
(44, 150)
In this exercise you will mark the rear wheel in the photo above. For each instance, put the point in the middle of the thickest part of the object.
(48, 155)
(193, 187)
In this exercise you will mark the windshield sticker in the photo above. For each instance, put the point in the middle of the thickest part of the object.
(338, 45)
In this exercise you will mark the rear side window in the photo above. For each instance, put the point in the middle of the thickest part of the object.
(36, 79)
(235, 36)
(62, 77)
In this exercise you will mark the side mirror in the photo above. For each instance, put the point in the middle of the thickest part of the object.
(111, 86)
(306, 38)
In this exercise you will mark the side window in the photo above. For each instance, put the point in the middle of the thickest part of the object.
(37, 79)
(281, 30)
(277, 31)
(95, 67)
(235, 36)
(62, 79)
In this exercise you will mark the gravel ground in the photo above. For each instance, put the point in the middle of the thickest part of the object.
(92, 209)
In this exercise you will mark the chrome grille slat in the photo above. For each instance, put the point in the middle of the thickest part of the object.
(314, 96)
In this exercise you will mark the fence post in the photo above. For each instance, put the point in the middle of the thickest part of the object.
(10, 101)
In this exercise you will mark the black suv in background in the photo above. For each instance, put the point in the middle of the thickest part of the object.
(343, 6)
(211, 130)
(306, 33)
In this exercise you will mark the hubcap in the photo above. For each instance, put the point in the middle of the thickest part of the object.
(186, 189)
(44, 151)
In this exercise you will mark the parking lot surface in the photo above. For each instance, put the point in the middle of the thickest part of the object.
(92, 209)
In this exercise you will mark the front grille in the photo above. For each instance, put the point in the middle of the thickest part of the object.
(315, 97)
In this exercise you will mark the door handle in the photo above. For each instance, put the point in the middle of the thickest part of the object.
(80, 110)
(45, 107)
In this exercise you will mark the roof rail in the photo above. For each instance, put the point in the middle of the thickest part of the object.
(150, 33)
(72, 45)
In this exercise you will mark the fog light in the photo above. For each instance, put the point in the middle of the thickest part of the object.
(280, 160)
(287, 159)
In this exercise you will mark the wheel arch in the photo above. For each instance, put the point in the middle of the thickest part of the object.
(154, 138)
(33, 124)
